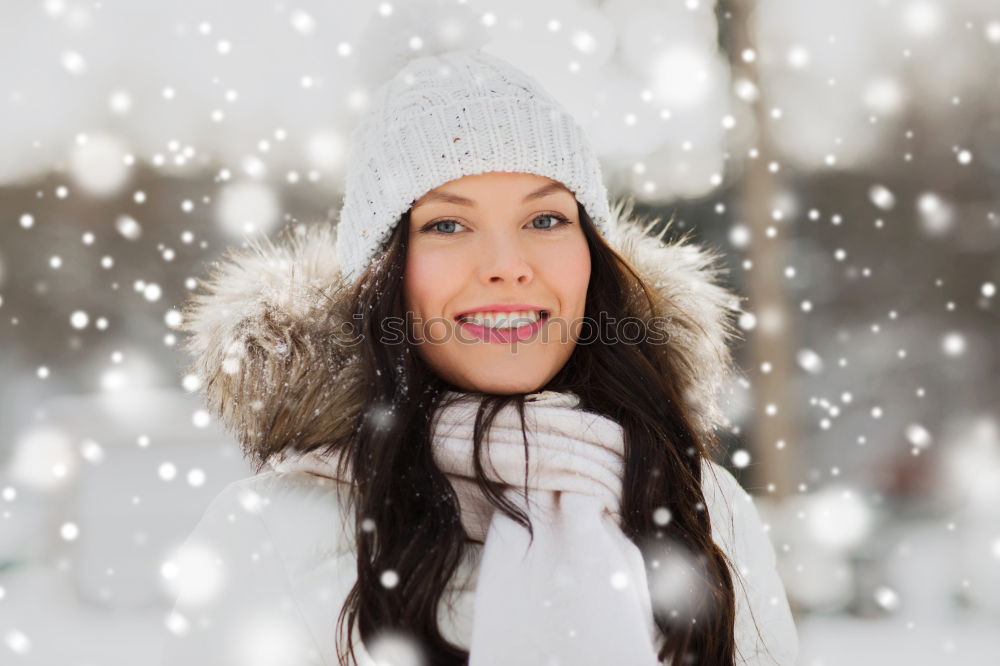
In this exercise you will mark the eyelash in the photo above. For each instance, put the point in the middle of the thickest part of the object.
(562, 221)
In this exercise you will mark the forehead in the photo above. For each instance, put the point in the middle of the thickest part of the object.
(519, 187)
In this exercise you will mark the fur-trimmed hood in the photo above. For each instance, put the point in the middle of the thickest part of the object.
(266, 332)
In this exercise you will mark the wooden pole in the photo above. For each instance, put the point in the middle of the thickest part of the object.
(774, 435)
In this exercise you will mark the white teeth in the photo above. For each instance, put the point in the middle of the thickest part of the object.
(502, 319)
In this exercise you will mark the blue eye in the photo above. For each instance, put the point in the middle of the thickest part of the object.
(435, 228)
(559, 219)
(432, 226)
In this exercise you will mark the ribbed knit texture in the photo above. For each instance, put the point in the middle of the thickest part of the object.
(450, 115)
(559, 459)
(578, 593)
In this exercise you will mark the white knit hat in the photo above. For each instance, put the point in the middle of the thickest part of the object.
(449, 115)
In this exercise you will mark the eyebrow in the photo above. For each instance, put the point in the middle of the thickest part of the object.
(447, 197)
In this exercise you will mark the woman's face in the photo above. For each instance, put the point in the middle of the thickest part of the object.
(482, 242)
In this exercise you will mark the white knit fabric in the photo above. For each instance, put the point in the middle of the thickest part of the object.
(450, 115)
(577, 594)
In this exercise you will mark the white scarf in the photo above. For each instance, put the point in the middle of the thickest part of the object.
(578, 595)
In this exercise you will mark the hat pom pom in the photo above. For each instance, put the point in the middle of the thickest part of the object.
(415, 29)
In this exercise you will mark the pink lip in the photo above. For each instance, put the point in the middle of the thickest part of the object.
(506, 334)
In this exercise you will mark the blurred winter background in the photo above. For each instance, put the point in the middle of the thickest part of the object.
(845, 154)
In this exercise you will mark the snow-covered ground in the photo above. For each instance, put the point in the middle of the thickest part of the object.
(846, 641)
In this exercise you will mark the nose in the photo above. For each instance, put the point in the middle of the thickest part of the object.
(504, 260)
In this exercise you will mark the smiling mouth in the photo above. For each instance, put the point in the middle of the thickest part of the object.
(464, 318)
(523, 329)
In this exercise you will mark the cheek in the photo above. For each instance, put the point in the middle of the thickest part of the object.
(570, 270)
(419, 282)
(426, 282)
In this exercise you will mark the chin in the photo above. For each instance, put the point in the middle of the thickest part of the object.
(503, 374)
(503, 385)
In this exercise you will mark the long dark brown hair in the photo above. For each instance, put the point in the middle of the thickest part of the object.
(407, 514)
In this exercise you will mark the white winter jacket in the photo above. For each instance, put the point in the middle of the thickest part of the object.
(267, 569)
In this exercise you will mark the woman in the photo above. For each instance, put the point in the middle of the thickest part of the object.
(481, 413)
